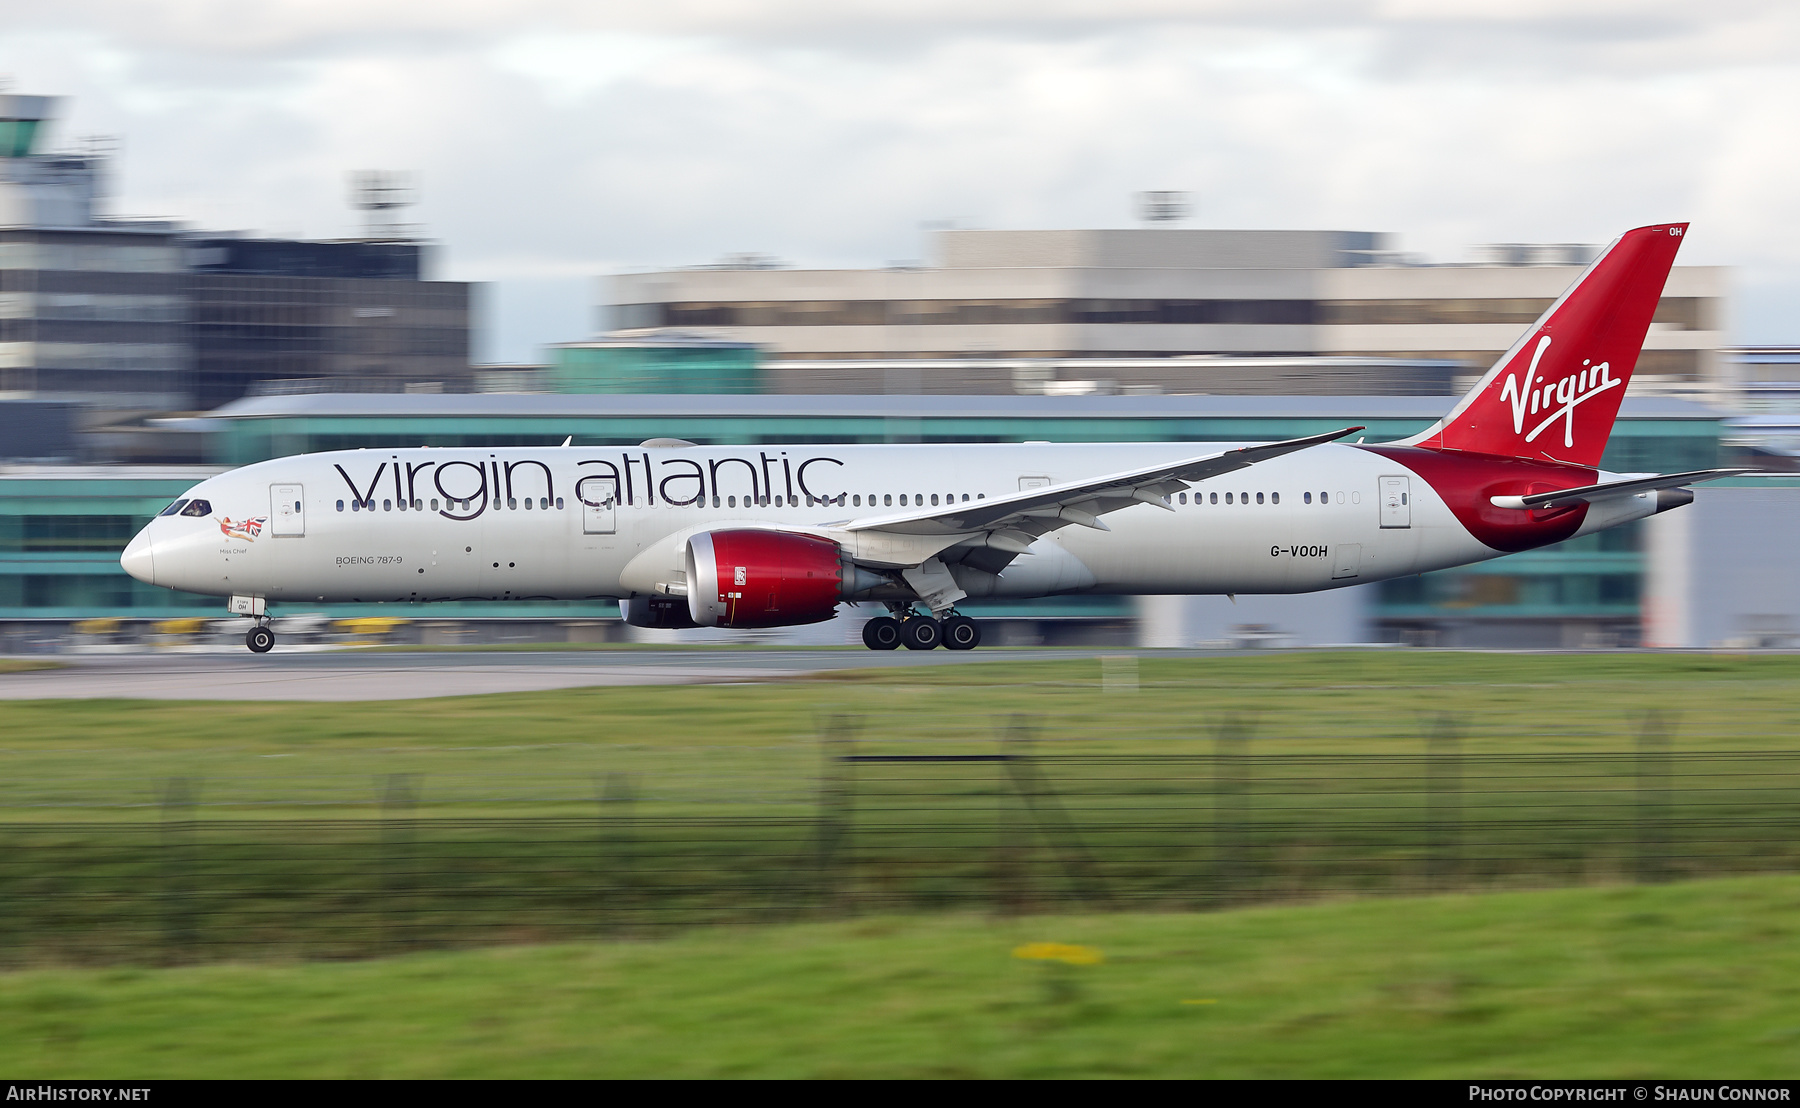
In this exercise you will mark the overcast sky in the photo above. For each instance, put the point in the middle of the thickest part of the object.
(555, 141)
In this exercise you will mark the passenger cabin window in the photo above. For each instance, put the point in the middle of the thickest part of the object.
(888, 499)
(1274, 498)
(1306, 498)
(1215, 498)
(180, 504)
(1227, 498)
(1259, 499)
(341, 505)
(198, 508)
(559, 503)
(387, 505)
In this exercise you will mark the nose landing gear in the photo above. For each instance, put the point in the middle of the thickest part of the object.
(259, 639)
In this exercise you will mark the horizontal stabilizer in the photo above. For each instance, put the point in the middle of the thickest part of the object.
(1589, 493)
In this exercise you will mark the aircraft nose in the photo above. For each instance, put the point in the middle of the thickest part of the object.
(139, 558)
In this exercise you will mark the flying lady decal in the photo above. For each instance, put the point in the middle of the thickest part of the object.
(247, 529)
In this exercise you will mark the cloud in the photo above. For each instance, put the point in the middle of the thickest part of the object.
(553, 139)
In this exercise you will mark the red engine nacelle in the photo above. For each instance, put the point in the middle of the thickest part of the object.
(754, 578)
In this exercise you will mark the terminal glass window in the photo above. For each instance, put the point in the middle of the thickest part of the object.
(72, 533)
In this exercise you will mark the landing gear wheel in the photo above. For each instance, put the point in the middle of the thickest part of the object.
(921, 633)
(961, 633)
(881, 633)
(259, 639)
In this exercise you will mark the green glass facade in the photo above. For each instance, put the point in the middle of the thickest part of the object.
(696, 367)
(18, 136)
(61, 531)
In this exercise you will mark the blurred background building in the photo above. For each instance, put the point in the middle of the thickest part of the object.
(122, 317)
(277, 316)
(138, 356)
(1158, 308)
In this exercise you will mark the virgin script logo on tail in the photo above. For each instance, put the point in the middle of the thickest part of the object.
(1559, 399)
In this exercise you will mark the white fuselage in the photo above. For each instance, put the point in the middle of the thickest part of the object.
(609, 522)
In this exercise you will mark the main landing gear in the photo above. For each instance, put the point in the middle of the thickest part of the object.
(260, 639)
(921, 632)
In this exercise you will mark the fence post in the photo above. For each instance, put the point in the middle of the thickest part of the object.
(616, 845)
(1040, 808)
(1231, 767)
(1653, 798)
(179, 932)
(1012, 860)
(399, 793)
(1443, 803)
(833, 865)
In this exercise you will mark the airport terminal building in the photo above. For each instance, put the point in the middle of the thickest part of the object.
(1155, 309)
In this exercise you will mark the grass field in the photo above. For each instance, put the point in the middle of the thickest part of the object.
(26, 665)
(1692, 980)
(720, 745)
(557, 816)
(1598, 979)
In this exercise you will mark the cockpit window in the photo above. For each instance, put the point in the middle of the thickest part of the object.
(173, 508)
(198, 508)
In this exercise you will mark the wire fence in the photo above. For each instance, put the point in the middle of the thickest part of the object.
(1012, 829)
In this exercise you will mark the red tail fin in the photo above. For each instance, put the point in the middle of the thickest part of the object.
(1555, 394)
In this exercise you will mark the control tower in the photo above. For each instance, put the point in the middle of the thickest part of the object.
(96, 306)
(36, 189)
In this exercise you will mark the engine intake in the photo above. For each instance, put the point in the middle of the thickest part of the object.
(753, 578)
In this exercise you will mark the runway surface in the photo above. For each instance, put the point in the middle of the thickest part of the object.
(399, 676)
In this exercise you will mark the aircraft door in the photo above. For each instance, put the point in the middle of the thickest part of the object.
(287, 510)
(1396, 502)
(597, 508)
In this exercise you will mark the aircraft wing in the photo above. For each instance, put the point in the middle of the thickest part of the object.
(1014, 521)
(1588, 493)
